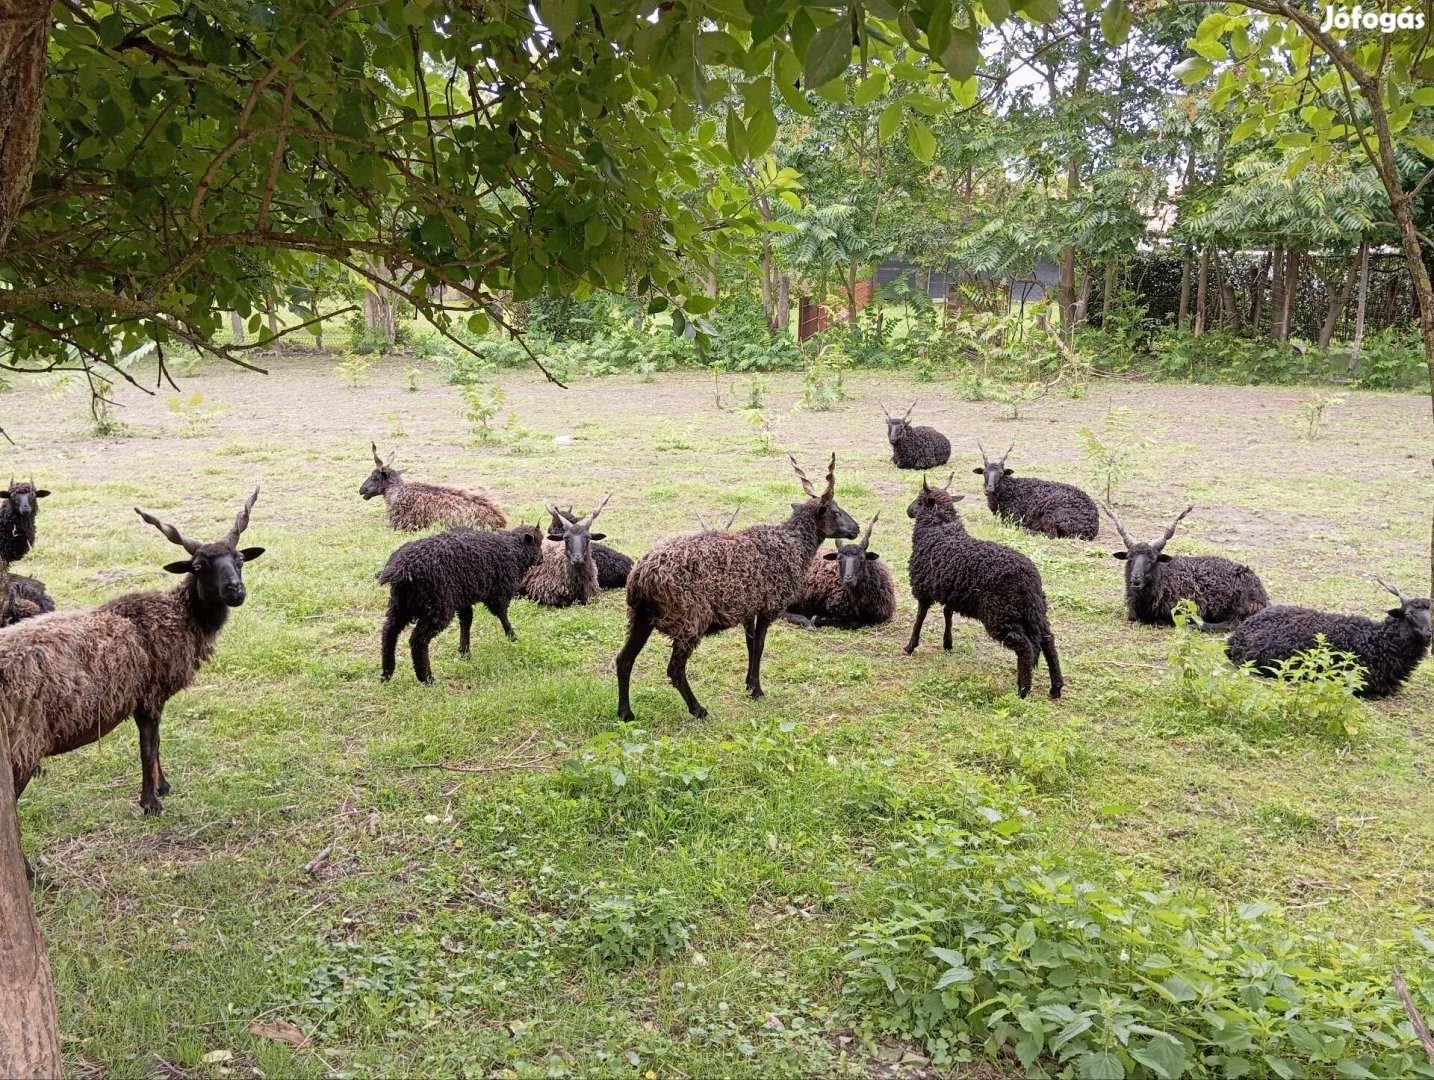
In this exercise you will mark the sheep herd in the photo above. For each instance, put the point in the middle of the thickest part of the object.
(69, 677)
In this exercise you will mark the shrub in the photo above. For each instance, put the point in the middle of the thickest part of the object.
(619, 929)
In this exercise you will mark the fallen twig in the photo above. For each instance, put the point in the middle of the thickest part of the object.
(318, 860)
(500, 766)
(1421, 1029)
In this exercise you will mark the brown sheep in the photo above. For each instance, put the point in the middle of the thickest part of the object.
(413, 507)
(688, 587)
(568, 572)
(69, 678)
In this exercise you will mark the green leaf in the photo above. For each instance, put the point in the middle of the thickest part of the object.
(1041, 11)
(998, 11)
(1294, 140)
(921, 141)
(736, 136)
(595, 231)
(112, 30)
(1165, 1059)
(1423, 143)
(109, 118)
(890, 121)
(1104, 1066)
(1244, 129)
(761, 132)
(829, 54)
(1115, 22)
(954, 975)
(872, 87)
(965, 92)
(1423, 96)
(559, 16)
(961, 55)
(1192, 70)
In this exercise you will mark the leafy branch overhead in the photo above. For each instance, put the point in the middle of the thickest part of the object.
(194, 158)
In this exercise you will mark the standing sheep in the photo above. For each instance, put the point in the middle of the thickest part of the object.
(69, 678)
(980, 580)
(1043, 506)
(688, 587)
(612, 565)
(915, 447)
(19, 506)
(432, 579)
(1224, 592)
(568, 572)
(847, 588)
(1388, 651)
(413, 507)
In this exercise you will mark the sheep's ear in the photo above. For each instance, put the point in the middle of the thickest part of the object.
(1397, 612)
(4, 494)
(1121, 555)
(42, 493)
(597, 536)
(957, 498)
(1010, 472)
(832, 556)
(979, 472)
(555, 536)
(252, 553)
(185, 566)
(1163, 557)
(871, 555)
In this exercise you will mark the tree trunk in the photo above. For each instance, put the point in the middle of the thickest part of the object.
(1066, 293)
(712, 277)
(29, 1032)
(784, 302)
(851, 308)
(1186, 267)
(1292, 284)
(769, 299)
(236, 327)
(1257, 298)
(1359, 308)
(1108, 294)
(1202, 292)
(1278, 330)
(1338, 298)
(24, 32)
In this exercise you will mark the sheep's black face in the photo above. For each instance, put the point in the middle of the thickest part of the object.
(993, 472)
(531, 542)
(931, 500)
(22, 498)
(377, 482)
(834, 522)
(218, 571)
(1142, 565)
(1416, 613)
(896, 430)
(853, 559)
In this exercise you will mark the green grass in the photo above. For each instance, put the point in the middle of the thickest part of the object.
(671, 896)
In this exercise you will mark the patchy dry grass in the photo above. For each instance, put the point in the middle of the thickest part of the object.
(541, 916)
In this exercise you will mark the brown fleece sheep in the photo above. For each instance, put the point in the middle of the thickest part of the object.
(413, 507)
(69, 678)
(568, 572)
(688, 587)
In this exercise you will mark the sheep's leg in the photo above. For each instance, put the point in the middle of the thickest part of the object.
(639, 629)
(393, 623)
(756, 642)
(423, 633)
(947, 611)
(1053, 663)
(150, 775)
(677, 672)
(465, 626)
(1025, 663)
(800, 620)
(499, 608)
(922, 607)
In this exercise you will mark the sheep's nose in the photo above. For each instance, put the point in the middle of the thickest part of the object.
(234, 595)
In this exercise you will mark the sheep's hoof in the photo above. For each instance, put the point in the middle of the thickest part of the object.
(1023, 691)
(29, 872)
(626, 714)
(756, 692)
(465, 653)
(700, 713)
(153, 808)
(512, 636)
(428, 681)
(1055, 693)
(908, 649)
(164, 788)
(385, 676)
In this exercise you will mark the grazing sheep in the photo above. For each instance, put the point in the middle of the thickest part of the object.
(980, 580)
(69, 678)
(413, 507)
(1388, 651)
(688, 587)
(568, 572)
(915, 447)
(19, 506)
(25, 598)
(847, 588)
(612, 565)
(1043, 506)
(1224, 592)
(433, 579)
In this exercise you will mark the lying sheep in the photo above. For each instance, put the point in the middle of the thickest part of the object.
(847, 588)
(980, 580)
(25, 598)
(1388, 651)
(432, 579)
(19, 506)
(1224, 592)
(567, 573)
(689, 587)
(413, 507)
(1043, 506)
(612, 565)
(69, 678)
(915, 447)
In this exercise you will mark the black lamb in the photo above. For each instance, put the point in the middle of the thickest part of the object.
(27, 598)
(1388, 651)
(980, 580)
(433, 579)
(915, 447)
(19, 506)
(612, 565)
(1043, 506)
(847, 588)
(1225, 593)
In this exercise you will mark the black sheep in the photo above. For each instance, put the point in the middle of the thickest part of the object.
(27, 598)
(1043, 506)
(980, 580)
(1388, 651)
(433, 579)
(915, 447)
(847, 588)
(612, 565)
(19, 506)
(1225, 593)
